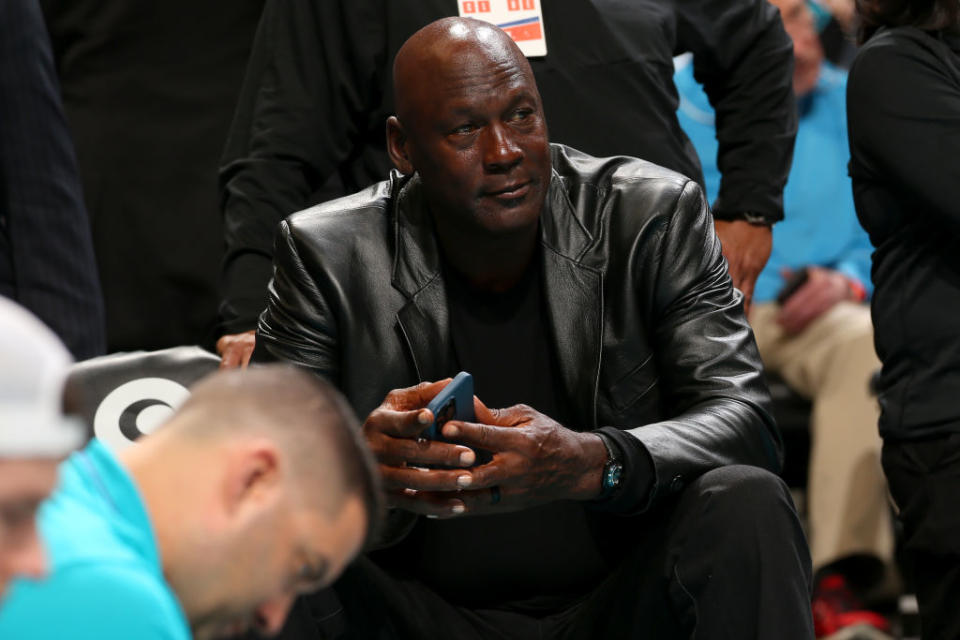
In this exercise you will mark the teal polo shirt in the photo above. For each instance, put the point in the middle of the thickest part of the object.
(104, 576)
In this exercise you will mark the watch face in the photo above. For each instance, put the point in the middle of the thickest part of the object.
(612, 475)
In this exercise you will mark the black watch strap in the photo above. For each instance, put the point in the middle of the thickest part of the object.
(746, 216)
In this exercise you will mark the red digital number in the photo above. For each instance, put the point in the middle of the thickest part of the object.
(483, 6)
(513, 5)
(528, 4)
(469, 6)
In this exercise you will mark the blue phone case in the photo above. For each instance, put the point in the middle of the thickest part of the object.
(455, 402)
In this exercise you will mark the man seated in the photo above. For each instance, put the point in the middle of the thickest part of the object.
(820, 338)
(593, 291)
(34, 435)
(259, 488)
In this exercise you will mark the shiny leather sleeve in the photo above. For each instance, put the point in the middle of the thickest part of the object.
(707, 359)
(298, 324)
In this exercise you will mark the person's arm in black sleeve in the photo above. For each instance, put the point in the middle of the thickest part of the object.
(744, 59)
(311, 77)
(709, 366)
(903, 110)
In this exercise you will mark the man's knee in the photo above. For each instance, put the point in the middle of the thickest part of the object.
(742, 518)
(737, 497)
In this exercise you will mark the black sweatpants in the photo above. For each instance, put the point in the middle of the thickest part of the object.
(726, 559)
(924, 480)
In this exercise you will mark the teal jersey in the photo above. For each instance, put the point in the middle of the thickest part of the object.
(104, 576)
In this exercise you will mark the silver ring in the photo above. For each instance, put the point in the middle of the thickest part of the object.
(494, 494)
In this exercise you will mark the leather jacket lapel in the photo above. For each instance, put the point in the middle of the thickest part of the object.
(423, 322)
(574, 296)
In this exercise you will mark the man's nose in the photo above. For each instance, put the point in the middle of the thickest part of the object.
(501, 151)
(27, 559)
(272, 613)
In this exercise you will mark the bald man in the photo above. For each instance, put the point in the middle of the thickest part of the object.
(259, 488)
(309, 123)
(627, 489)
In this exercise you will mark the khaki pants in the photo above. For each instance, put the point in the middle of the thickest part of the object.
(831, 363)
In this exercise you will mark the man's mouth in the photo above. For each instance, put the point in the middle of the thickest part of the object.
(511, 192)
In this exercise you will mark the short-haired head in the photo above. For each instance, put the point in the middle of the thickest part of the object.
(305, 416)
(282, 493)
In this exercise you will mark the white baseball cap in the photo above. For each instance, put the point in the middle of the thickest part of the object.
(33, 369)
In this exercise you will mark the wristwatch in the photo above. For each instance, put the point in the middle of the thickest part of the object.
(612, 477)
(746, 216)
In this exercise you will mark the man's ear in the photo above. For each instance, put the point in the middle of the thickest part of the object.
(253, 477)
(397, 146)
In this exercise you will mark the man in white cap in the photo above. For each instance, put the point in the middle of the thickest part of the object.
(34, 434)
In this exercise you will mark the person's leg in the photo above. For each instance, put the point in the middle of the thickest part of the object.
(368, 603)
(727, 560)
(924, 480)
(831, 362)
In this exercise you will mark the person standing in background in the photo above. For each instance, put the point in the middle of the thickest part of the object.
(819, 338)
(149, 89)
(46, 255)
(309, 125)
(903, 110)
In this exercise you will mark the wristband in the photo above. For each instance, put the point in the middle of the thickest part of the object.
(749, 217)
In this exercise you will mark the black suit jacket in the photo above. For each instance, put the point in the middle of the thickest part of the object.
(149, 89)
(46, 254)
(649, 333)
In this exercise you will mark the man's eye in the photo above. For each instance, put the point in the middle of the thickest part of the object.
(520, 114)
(464, 129)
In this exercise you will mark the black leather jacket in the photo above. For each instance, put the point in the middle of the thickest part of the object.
(648, 331)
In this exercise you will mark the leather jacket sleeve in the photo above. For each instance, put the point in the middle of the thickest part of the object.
(298, 325)
(708, 366)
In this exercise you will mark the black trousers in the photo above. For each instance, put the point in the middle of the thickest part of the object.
(924, 480)
(726, 559)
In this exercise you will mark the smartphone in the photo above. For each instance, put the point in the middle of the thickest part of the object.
(455, 402)
(797, 280)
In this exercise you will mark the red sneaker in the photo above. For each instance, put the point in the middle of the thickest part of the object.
(835, 607)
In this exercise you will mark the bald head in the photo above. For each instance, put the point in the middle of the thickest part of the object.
(447, 54)
(470, 124)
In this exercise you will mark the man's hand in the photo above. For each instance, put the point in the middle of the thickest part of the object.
(747, 248)
(535, 460)
(235, 349)
(823, 289)
(392, 431)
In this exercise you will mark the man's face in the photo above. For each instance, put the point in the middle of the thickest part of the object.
(260, 569)
(24, 484)
(477, 137)
(807, 50)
